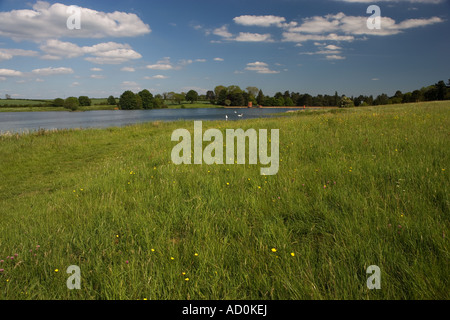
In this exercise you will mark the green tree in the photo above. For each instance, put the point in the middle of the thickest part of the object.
(260, 97)
(211, 96)
(146, 98)
(157, 103)
(382, 99)
(217, 91)
(71, 103)
(111, 101)
(58, 102)
(252, 91)
(407, 97)
(179, 97)
(441, 90)
(346, 102)
(128, 101)
(192, 96)
(416, 96)
(84, 101)
(139, 104)
(288, 102)
(222, 97)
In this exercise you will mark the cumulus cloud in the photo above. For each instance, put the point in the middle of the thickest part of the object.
(218, 59)
(7, 54)
(261, 21)
(128, 69)
(222, 32)
(260, 67)
(340, 27)
(45, 21)
(10, 73)
(334, 57)
(97, 76)
(52, 71)
(158, 76)
(102, 53)
(163, 64)
(253, 37)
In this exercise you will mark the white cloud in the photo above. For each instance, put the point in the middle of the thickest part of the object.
(45, 21)
(158, 76)
(10, 73)
(260, 21)
(96, 69)
(218, 59)
(163, 64)
(102, 53)
(253, 37)
(160, 66)
(50, 57)
(200, 60)
(334, 57)
(339, 27)
(299, 37)
(7, 54)
(52, 71)
(39, 80)
(222, 32)
(259, 67)
(332, 47)
(75, 84)
(2, 78)
(128, 69)
(185, 62)
(97, 76)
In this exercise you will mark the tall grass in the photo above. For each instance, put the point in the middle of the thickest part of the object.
(356, 187)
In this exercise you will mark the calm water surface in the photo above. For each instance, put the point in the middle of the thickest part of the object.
(31, 121)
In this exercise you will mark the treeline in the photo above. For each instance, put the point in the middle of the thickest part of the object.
(438, 91)
(234, 96)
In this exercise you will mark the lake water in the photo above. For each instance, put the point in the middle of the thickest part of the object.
(31, 121)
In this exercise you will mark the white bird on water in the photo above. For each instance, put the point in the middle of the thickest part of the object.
(240, 115)
(226, 117)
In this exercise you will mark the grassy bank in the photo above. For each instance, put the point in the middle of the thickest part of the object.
(97, 104)
(356, 187)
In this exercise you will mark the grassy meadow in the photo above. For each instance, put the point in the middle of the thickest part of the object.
(356, 187)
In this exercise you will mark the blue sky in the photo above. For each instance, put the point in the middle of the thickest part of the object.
(317, 47)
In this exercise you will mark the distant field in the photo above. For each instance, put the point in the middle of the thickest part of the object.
(356, 187)
(13, 102)
(97, 104)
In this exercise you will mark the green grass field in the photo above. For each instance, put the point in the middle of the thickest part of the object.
(356, 187)
(17, 105)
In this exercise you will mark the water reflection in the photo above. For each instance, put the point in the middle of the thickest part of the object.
(30, 121)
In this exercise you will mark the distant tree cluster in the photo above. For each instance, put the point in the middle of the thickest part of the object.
(235, 96)
(438, 91)
(141, 100)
